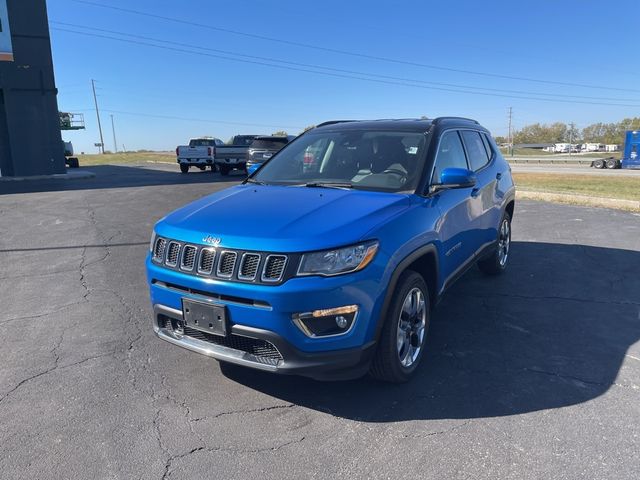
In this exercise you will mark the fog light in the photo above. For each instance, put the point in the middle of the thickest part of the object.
(341, 321)
(327, 322)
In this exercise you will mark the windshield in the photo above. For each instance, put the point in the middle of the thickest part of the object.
(371, 160)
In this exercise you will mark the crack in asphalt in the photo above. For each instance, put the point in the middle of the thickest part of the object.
(51, 312)
(550, 297)
(55, 367)
(39, 274)
(167, 470)
(437, 432)
(251, 410)
(564, 376)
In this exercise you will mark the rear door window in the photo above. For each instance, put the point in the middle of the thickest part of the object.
(476, 150)
(487, 145)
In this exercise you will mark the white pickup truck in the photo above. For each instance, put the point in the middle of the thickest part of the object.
(212, 152)
(201, 153)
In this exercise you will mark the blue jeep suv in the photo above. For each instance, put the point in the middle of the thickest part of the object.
(327, 264)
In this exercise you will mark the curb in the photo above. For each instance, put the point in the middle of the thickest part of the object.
(617, 203)
(72, 175)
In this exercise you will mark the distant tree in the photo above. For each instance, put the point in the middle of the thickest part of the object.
(309, 128)
(500, 140)
(280, 133)
(609, 133)
(542, 133)
(572, 135)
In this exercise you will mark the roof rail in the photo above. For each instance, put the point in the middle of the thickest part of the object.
(439, 119)
(331, 122)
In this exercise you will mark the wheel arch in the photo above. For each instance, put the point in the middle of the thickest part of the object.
(424, 261)
(510, 207)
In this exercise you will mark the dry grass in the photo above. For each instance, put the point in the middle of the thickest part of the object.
(126, 158)
(618, 187)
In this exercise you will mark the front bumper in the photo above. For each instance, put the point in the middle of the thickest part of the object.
(266, 313)
(334, 365)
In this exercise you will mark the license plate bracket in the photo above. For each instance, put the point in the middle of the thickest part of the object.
(206, 317)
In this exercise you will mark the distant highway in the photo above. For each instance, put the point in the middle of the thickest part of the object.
(570, 169)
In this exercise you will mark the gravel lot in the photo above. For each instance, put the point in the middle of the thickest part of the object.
(535, 374)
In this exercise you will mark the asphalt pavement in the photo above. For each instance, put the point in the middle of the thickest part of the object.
(534, 374)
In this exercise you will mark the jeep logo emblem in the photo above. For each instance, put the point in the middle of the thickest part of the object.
(215, 241)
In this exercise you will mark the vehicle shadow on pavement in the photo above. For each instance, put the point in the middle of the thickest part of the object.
(553, 331)
(120, 176)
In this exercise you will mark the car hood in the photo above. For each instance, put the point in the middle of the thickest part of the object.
(282, 219)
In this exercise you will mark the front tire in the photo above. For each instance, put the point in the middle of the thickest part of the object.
(404, 332)
(496, 263)
(184, 168)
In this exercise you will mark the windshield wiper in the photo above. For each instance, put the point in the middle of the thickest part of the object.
(257, 182)
(329, 185)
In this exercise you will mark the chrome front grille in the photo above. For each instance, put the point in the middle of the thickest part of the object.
(249, 266)
(207, 257)
(158, 249)
(274, 268)
(173, 250)
(188, 261)
(228, 264)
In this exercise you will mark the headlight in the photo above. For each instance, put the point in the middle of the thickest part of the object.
(341, 260)
(153, 240)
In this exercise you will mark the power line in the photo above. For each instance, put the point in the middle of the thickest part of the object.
(350, 53)
(223, 122)
(359, 76)
(307, 65)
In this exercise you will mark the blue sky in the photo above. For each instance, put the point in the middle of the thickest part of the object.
(575, 42)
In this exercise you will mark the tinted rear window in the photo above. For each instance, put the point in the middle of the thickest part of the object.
(203, 142)
(271, 144)
(244, 140)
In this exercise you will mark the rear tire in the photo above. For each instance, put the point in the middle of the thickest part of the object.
(224, 170)
(73, 162)
(184, 168)
(496, 263)
(404, 332)
(612, 164)
(598, 163)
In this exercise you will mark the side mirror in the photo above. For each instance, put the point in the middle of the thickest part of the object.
(454, 178)
(253, 168)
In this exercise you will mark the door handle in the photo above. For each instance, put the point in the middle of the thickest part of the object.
(498, 176)
(475, 192)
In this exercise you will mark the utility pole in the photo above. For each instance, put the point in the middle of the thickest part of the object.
(571, 127)
(113, 127)
(95, 100)
(510, 137)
